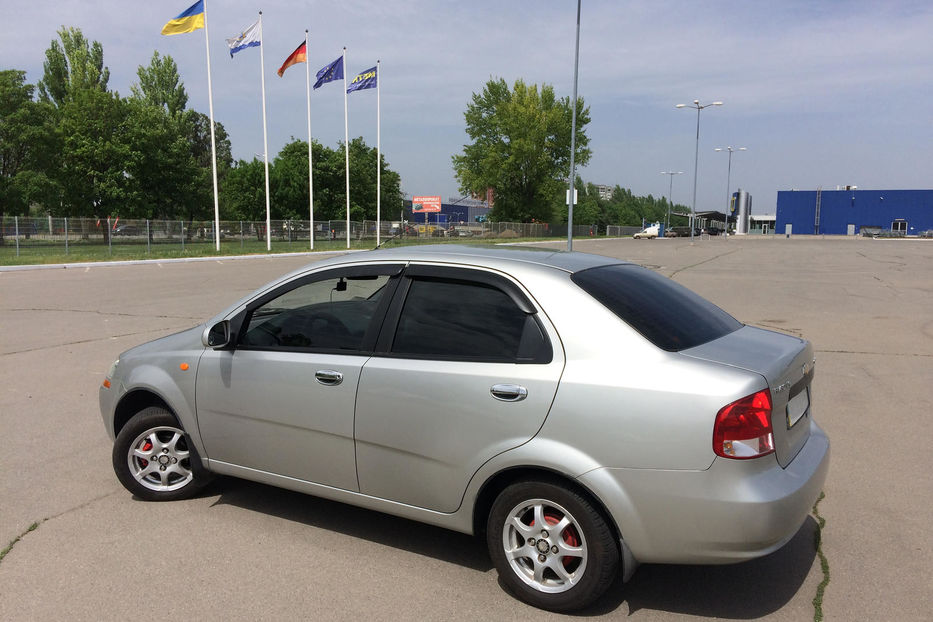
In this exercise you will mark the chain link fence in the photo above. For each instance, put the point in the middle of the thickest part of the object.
(94, 237)
(618, 231)
(90, 239)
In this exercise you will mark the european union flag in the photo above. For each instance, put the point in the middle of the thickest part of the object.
(365, 80)
(331, 72)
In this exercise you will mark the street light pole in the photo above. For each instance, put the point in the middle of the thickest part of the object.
(670, 190)
(696, 156)
(573, 135)
(730, 149)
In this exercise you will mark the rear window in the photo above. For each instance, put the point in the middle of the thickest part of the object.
(666, 313)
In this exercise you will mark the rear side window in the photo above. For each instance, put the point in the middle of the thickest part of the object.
(666, 313)
(469, 321)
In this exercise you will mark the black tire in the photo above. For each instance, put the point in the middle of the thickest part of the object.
(579, 562)
(154, 460)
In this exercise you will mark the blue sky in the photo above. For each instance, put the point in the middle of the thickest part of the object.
(822, 93)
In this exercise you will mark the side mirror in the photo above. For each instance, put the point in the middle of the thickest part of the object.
(216, 336)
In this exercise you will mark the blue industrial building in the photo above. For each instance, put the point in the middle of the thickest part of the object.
(854, 212)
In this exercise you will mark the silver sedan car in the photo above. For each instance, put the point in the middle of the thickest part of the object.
(579, 414)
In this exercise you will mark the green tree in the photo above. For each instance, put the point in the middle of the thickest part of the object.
(520, 148)
(363, 183)
(589, 209)
(329, 183)
(94, 154)
(198, 132)
(199, 136)
(624, 208)
(162, 174)
(160, 85)
(26, 146)
(169, 168)
(174, 147)
(73, 66)
(90, 126)
(289, 182)
(243, 192)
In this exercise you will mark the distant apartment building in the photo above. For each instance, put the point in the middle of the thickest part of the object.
(605, 192)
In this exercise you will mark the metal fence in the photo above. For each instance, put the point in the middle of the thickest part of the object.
(113, 236)
(93, 238)
(617, 231)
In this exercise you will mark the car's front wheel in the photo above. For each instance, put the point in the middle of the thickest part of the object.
(153, 458)
(551, 546)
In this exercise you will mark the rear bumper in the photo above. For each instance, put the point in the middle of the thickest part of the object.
(734, 511)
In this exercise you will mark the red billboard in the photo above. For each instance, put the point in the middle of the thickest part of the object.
(425, 204)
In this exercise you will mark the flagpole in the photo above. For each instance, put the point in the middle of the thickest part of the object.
(265, 140)
(210, 106)
(310, 174)
(378, 160)
(346, 141)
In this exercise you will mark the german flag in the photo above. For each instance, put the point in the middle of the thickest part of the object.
(300, 55)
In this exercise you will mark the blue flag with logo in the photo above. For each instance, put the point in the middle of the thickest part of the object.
(331, 72)
(250, 37)
(365, 80)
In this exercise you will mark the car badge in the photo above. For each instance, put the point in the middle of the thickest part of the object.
(808, 367)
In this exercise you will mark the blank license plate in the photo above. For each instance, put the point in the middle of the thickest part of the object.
(797, 407)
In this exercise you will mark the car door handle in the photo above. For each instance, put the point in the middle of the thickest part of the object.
(329, 377)
(509, 392)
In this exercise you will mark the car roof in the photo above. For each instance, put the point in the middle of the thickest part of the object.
(486, 256)
(499, 257)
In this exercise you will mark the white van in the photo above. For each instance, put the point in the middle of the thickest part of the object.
(649, 232)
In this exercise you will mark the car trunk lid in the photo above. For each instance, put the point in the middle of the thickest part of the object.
(786, 362)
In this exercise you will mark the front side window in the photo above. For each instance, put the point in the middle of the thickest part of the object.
(333, 313)
(464, 320)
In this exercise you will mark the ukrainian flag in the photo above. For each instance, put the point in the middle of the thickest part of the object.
(187, 21)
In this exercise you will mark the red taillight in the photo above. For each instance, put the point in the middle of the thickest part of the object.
(743, 428)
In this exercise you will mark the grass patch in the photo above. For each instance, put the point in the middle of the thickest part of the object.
(83, 251)
(824, 563)
(9, 547)
(44, 252)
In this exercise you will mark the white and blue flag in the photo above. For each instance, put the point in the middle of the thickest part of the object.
(250, 37)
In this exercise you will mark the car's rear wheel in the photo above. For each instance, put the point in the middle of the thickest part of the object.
(153, 459)
(551, 546)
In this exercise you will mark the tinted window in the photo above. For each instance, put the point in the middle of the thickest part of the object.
(666, 313)
(331, 314)
(466, 320)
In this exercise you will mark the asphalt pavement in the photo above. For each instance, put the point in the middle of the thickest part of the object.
(247, 551)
